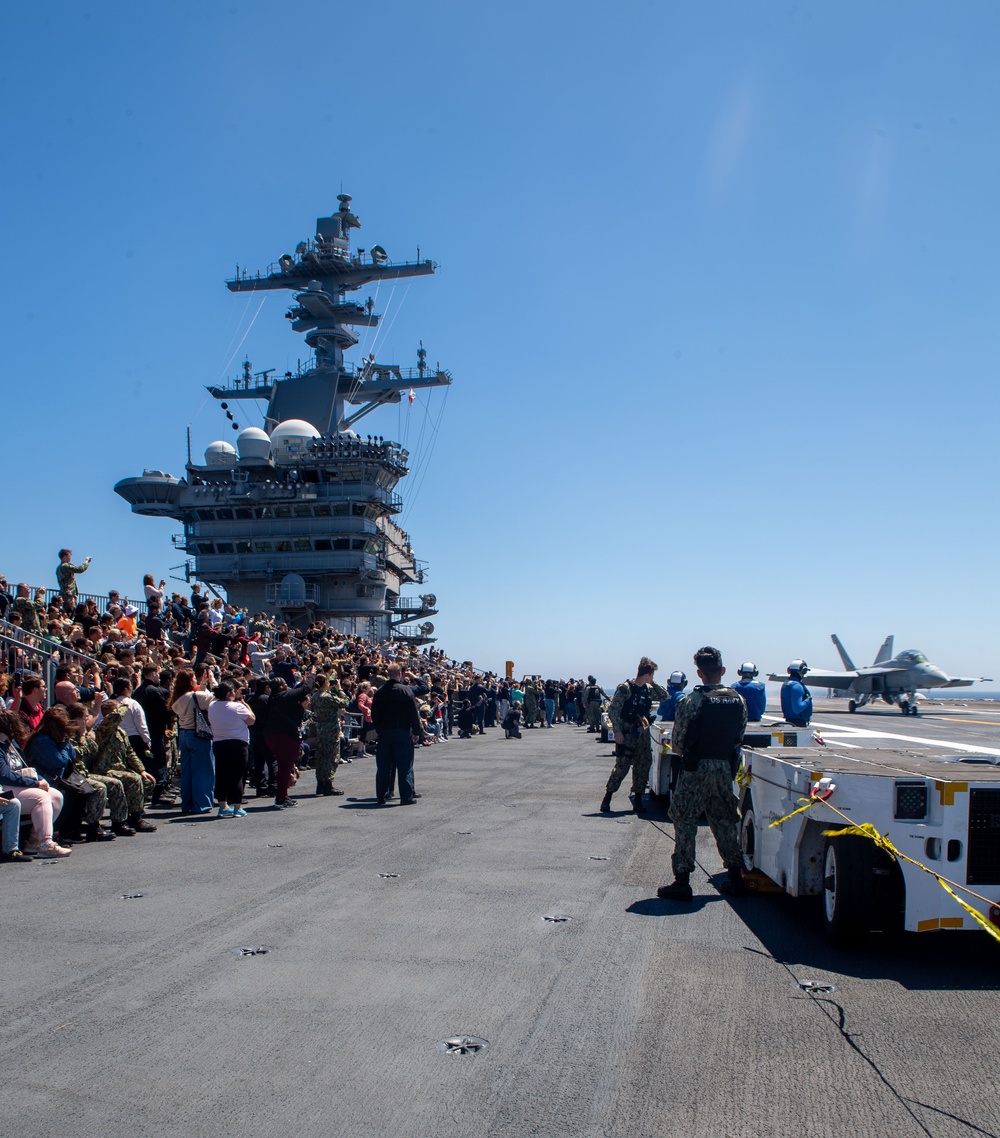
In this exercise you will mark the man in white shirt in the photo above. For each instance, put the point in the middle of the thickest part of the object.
(134, 719)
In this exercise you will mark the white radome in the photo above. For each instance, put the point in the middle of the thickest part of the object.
(252, 442)
(220, 453)
(290, 438)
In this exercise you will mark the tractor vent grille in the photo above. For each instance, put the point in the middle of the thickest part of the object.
(911, 800)
(984, 838)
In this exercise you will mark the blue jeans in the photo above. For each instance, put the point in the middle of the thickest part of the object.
(394, 754)
(197, 773)
(550, 711)
(10, 813)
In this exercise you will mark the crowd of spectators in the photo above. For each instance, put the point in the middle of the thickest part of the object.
(189, 694)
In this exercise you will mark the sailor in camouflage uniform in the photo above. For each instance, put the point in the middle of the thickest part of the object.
(32, 611)
(66, 577)
(117, 802)
(114, 756)
(630, 714)
(326, 707)
(708, 730)
(593, 699)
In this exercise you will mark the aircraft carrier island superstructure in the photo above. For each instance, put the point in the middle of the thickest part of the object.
(297, 518)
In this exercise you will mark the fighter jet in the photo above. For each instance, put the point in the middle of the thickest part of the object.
(895, 678)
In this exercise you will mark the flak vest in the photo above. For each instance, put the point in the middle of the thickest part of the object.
(716, 731)
(636, 707)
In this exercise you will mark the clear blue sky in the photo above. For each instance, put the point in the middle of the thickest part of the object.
(718, 288)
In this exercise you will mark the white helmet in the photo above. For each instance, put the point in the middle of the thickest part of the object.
(748, 669)
(798, 668)
(677, 680)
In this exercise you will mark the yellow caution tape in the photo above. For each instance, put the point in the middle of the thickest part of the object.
(808, 802)
(742, 777)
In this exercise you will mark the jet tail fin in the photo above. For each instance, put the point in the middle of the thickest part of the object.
(847, 661)
(885, 652)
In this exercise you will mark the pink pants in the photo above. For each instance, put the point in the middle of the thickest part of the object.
(44, 807)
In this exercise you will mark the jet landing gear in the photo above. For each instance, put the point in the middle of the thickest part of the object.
(908, 704)
(854, 704)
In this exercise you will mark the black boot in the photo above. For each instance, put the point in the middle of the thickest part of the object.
(122, 829)
(733, 885)
(606, 803)
(96, 834)
(637, 804)
(678, 890)
(140, 825)
(322, 786)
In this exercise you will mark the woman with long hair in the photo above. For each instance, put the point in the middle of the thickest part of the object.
(35, 795)
(197, 763)
(51, 752)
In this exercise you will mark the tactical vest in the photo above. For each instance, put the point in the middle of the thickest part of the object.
(593, 694)
(636, 707)
(716, 731)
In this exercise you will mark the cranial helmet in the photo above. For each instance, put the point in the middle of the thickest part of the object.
(677, 680)
(798, 668)
(748, 669)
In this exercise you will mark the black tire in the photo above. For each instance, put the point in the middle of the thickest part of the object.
(848, 887)
(748, 835)
(852, 705)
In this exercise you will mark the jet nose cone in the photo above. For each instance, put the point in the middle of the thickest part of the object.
(937, 674)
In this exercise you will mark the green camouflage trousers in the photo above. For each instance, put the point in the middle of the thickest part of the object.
(708, 789)
(594, 715)
(635, 753)
(93, 806)
(115, 795)
(327, 751)
(125, 792)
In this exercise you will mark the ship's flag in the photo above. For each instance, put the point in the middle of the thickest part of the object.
(412, 395)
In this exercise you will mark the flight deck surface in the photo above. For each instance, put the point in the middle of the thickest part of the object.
(132, 1008)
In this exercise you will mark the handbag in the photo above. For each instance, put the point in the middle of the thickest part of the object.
(202, 727)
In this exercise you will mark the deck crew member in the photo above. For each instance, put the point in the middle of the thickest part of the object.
(593, 698)
(753, 691)
(708, 731)
(796, 702)
(675, 688)
(630, 714)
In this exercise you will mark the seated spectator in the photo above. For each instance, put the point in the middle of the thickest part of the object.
(52, 754)
(10, 826)
(34, 794)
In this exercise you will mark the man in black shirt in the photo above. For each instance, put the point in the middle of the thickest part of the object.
(396, 718)
(152, 696)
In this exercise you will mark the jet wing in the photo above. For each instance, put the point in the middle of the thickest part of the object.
(823, 679)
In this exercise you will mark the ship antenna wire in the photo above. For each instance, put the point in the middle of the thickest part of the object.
(235, 351)
(236, 330)
(427, 464)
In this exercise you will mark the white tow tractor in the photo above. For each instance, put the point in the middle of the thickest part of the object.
(938, 808)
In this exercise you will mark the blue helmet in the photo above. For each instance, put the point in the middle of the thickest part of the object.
(677, 680)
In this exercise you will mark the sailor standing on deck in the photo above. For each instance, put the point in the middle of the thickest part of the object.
(629, 713)
(708, 731)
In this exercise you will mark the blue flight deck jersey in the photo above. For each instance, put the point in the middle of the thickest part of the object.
(668, 706)
(796, 702)
(754, 696)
